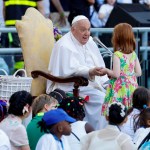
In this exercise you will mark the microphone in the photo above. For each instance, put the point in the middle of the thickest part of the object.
(97, 41)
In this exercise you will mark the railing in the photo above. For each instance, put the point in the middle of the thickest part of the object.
(142, 50)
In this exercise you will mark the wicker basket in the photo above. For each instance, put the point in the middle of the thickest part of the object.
(11, 84)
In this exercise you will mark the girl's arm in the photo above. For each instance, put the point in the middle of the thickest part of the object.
(25, 147)
(101, 12)
(40, 7)
(58, 6)
(91, 2)
(4, 9)
(138, 71)
(115, 73)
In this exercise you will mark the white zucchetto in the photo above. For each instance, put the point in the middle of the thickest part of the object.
(78, 18)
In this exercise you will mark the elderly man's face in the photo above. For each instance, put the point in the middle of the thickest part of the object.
(81, 31)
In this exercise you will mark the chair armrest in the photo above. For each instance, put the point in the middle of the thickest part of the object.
(78, 80)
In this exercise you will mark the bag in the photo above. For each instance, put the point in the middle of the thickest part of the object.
(14, 83)
(145, 144)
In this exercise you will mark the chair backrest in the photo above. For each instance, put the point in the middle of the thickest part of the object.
(37, 40)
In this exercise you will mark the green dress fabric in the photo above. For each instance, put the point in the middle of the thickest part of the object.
(121, 89)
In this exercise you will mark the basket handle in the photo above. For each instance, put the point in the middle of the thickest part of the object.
(4, 71)
(20, 70)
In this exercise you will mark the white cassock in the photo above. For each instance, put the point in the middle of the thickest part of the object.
(70, 58)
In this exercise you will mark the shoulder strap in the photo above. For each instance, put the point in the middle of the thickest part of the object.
(145, 140)
(75, 136)
(91, 15)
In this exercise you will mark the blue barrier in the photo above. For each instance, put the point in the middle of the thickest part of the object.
(142, 50)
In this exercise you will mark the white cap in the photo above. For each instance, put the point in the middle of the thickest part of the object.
(78, 18)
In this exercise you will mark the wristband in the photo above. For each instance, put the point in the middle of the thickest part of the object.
(62, 14)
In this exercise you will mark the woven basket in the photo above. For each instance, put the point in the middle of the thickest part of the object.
(11, 84)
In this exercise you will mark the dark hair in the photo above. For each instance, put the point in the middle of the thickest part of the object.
(73, 106)
(3, 109)
(58, 94)
(143, 117)
(43, 127)
(141, 96)
(17, 102)
(115, 111)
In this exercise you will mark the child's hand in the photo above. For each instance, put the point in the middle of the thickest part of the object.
(97, 71)
(103, 71)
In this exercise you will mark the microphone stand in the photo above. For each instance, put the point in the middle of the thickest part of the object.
(97, 41)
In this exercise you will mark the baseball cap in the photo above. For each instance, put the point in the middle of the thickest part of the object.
(55, 116)
(58, 94)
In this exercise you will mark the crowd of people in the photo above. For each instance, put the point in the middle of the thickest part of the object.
(60, 125)
(116, 116)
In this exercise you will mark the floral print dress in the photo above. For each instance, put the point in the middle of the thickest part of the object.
(121, 89)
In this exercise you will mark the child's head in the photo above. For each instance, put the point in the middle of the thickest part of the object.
(3, 109)
(141, 98)
(110, 2)
(58, 94)
(74, 107)
(20, 103)
(56, 121)
(144, 118)
(43, 103)
(116, 113)
(123, 38)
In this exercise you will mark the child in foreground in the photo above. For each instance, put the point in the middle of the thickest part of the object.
(55, 123)
(75, 108)
(140, 98)
(19, 108)
(142, 135)
(5, 143)
(110, 137)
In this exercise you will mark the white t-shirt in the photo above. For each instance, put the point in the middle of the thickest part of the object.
(109, 138)
(46, 4)
(147, 2)
(78, 128)
(12, 126)
(140, 134)
(48, 142)
(128, 127)
(106, 10)
(4, 141)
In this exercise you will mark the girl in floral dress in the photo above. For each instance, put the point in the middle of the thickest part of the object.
(126, 68)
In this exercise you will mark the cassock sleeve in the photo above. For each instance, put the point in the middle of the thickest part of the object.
(65, 62)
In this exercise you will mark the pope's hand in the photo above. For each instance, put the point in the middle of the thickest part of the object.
(97, 71)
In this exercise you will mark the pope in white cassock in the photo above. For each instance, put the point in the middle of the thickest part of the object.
(76, 54)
